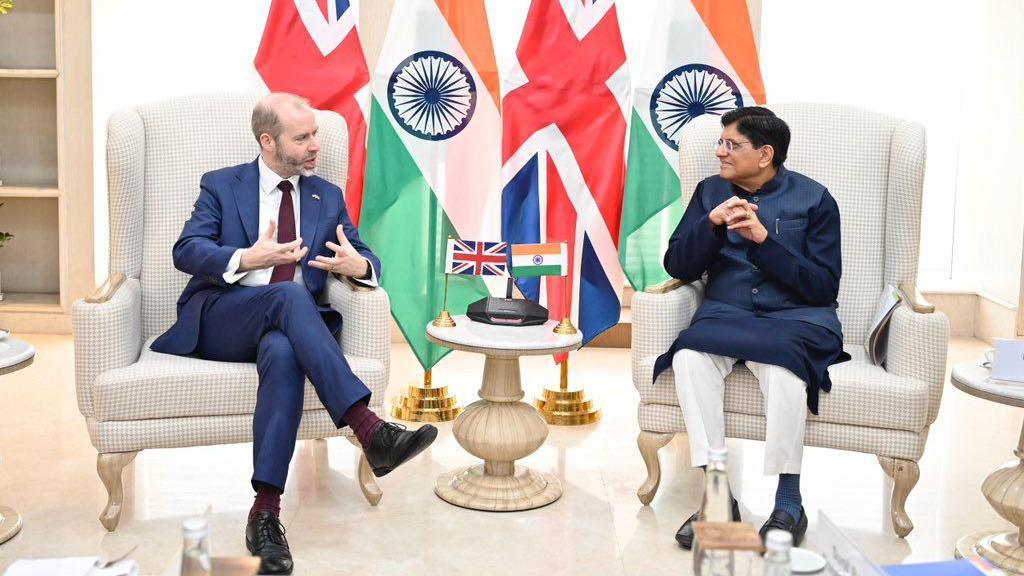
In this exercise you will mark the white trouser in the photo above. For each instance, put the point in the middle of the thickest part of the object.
(700, 384)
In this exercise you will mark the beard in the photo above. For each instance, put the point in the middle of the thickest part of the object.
(293, 164)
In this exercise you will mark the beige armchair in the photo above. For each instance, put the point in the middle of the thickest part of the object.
(874, 167)
(133, 398)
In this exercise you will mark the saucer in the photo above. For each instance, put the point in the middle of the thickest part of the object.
(806, 561)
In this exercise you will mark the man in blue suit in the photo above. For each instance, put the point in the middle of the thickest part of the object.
(253, 298)
(768, 239)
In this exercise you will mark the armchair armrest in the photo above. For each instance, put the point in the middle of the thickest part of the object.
(658, 317)
(366, 318)
(918, 343)
(107, 333)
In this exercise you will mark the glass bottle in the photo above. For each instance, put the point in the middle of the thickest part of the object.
(776, 556)
(717, 501)
(195, 552)
(716, 506)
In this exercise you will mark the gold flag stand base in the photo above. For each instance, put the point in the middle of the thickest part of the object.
(564, 407)
(444, 320)
(425, 403)
(565, 328)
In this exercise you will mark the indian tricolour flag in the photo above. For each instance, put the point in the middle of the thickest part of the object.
(434, 158)
(700, 59)
(539, 260)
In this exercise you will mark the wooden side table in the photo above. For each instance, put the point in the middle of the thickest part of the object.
(15, 354)
(500, 428)
(1004, 487)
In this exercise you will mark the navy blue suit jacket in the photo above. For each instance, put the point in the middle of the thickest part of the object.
(225, 218)
(793, 275)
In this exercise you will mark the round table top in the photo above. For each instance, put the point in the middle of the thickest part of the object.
(976, 380)
(503, 340)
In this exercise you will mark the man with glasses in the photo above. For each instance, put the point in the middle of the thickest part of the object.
(768, 240)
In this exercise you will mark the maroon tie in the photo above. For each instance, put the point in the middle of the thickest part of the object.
(285, 232)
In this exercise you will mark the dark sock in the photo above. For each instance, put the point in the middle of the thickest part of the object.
(787, 496)
(363, 422)
(268, 499)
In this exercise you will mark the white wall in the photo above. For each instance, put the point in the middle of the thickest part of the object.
(893, 57)
(990, 206)
(146, 51)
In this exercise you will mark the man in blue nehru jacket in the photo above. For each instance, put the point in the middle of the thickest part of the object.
(768, 240)
(259, 245)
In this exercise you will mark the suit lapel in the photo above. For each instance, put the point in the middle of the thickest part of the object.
(309, 214)
(247, 198)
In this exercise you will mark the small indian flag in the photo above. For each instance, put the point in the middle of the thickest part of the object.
(539, 260)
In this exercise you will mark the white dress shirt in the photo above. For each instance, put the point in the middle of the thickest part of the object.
(270, 206)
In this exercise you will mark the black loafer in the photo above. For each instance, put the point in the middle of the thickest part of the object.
(685, 533)
(393, 445)
(780, 520)
(264, 537)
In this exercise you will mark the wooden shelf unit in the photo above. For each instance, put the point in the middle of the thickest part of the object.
(46, 112)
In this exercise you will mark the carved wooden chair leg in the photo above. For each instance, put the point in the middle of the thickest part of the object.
(650, 443)
(110, 467)
(904, 474)
(367, 481)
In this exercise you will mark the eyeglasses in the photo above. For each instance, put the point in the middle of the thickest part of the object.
(730, 145)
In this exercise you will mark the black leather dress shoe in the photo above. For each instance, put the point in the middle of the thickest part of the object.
(780, 520)
(264, 537)
(392, 445)
(685, 533)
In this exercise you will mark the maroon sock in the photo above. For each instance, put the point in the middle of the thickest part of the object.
(268, 499)
(363, 422)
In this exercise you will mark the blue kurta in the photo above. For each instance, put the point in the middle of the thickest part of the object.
(774, 302)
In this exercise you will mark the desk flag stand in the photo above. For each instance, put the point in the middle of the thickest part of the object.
(564, 407)
(428, 403)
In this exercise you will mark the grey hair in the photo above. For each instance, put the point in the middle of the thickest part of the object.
(265, 119)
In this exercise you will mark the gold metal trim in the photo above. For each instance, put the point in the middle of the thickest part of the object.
(444, 320)
(564, 407)
(565, 328)
(427, 403)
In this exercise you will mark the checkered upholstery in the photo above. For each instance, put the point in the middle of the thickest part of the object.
(874, 167)
(134, 398)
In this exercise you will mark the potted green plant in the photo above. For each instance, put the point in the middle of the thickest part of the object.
(4, 238)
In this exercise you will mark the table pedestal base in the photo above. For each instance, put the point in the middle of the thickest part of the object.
(1001, 549)
(10, 523)
(472, 487)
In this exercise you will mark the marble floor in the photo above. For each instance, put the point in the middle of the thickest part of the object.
(47, 472)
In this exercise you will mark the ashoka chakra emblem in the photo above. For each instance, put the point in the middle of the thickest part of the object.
(432, 95)
(687, 92)
(538, 260)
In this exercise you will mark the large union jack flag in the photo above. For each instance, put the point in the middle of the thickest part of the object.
(476, 258)
(311, 48)
(563, 150)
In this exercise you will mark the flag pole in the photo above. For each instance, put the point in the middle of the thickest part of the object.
(444, 319)
(426, 402)
(564, 407)
(565, 327)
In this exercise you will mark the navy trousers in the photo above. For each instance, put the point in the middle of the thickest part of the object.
(279, 327)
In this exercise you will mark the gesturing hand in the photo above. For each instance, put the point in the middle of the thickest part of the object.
(267, 253)
(345, 262)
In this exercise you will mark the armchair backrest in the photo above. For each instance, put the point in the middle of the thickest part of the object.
(874, 167)
(156, 154)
